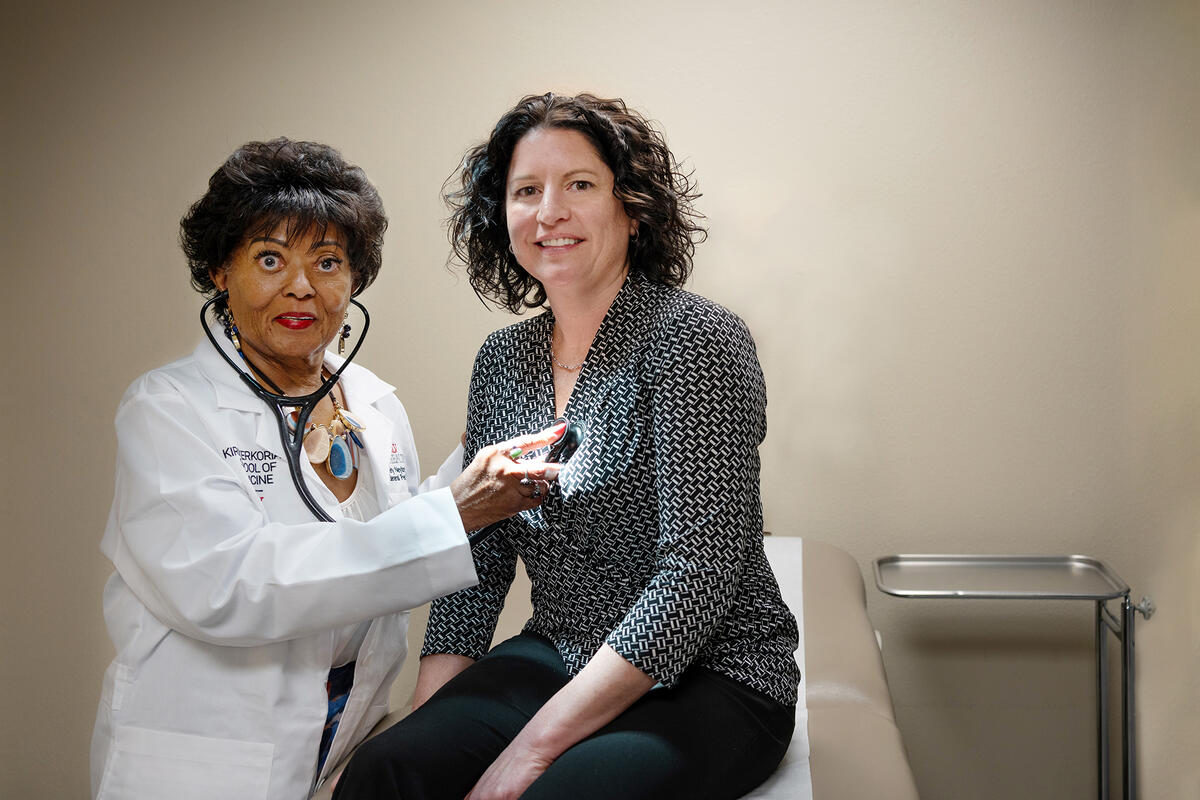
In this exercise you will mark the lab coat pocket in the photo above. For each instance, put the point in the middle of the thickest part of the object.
(147, 763)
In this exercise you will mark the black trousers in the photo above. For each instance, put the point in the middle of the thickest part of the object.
(707, 737)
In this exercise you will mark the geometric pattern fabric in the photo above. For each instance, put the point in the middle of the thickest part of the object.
(651, 540)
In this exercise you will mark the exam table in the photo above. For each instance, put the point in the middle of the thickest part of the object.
(846, 745)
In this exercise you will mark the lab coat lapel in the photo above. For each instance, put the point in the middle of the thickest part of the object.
(230, 390)
(378, 440)
(363, 390)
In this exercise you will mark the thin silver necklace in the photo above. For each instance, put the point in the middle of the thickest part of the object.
(554, 358)
(567, 367)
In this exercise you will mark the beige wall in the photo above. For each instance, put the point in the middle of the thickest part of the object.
(963, 233)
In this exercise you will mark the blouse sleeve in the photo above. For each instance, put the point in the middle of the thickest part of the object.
(709, 416)
(463, 623)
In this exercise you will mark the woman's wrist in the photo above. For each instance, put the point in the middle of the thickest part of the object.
(549, 734)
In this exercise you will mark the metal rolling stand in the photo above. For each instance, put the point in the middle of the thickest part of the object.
(1008, 577)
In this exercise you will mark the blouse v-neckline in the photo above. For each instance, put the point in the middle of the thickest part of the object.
(604, 344)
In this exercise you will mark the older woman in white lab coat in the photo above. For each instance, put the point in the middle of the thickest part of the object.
(255, 645)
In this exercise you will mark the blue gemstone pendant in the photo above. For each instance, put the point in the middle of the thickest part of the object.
(341, 460)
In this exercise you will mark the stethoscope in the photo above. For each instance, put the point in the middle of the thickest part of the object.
(292, 437)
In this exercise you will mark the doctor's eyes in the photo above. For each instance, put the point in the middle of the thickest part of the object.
(272, 261)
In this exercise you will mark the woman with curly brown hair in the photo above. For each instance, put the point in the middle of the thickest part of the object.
(658, 661)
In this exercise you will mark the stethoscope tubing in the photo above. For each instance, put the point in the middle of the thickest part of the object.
(293, 441)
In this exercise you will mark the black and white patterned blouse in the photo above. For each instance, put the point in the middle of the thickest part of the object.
(652, 540)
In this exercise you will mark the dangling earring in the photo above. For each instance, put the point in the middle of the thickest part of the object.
(231, 331)
(345, 334)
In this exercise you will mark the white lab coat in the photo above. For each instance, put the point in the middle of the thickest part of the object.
(228, 596)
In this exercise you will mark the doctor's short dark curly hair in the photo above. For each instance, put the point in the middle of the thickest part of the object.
(307, 185)
(651, 185)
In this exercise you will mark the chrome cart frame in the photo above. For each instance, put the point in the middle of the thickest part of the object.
(1011, 577)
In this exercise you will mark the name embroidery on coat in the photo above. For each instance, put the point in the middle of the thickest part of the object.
(259, 465)
(397, 469)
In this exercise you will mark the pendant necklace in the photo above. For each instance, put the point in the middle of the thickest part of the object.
(335, 444)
